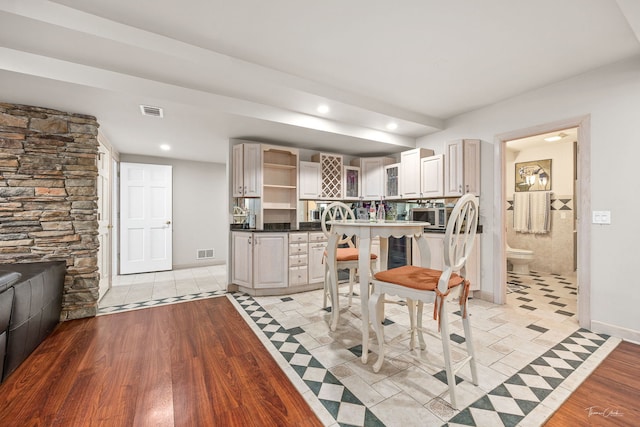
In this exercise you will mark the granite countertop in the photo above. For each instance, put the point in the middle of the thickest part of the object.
(281, 228)
(314, 226)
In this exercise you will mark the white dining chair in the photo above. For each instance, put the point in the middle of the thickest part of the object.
(346, 257)
(425, 285)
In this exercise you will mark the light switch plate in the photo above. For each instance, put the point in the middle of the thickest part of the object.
(602, 217)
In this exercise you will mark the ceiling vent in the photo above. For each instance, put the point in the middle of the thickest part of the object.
(148, 110)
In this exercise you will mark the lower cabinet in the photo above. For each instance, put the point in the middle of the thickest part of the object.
(298, 258)
(317, 248)
(270, 260)
(242, 252)
(260, 260)
(278, 261)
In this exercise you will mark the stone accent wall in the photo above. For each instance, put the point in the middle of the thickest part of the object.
(48, 199)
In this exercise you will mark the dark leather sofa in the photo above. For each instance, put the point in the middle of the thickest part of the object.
(30, 305)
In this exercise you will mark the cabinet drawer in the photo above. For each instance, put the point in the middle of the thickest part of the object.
(298, 260)
(317, 237)
(297, 248)
(298, 237)
(298, 276)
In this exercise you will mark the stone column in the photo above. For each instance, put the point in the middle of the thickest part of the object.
(48, 198)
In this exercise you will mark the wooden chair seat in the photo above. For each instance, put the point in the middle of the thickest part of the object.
(348, 254)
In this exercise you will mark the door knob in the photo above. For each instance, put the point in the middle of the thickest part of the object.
(168, 222)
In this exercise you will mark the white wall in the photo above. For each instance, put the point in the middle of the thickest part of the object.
(611, 96)
(200, 219)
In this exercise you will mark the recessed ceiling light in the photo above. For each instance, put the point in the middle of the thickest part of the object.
(554, 138)
(165, 147)
(392, 126)
(323, 109)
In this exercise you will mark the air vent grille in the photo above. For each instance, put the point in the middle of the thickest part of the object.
(148, 110)
(205, 254)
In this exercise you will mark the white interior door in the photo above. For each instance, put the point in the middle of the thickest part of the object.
(104, 218)
(145, 218)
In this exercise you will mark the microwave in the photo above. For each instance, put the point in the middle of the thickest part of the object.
(436, 217)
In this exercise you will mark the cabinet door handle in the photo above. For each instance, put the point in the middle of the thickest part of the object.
(467, 188)
(460, 188)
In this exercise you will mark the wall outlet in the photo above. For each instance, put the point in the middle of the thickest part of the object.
(601, 217)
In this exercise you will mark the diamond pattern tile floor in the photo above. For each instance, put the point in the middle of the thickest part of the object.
(527, 350)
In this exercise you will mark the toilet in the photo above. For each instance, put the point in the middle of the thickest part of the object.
(519, 259)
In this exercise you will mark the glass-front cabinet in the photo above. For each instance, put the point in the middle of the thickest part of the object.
(391, 183)
(351, 183)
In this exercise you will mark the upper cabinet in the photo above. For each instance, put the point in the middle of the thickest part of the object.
(247, 170)
(462, 168)
(410, 172)
(392, 181)
(310, 180)
(351, 183)
(432, 176)
(280, 184)
(373, 177)
(330, 175)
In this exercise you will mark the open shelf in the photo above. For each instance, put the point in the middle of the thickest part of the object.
(280, 186)
(278, 166)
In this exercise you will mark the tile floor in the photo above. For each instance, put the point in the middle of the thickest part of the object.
(531, 353)
(135, 291)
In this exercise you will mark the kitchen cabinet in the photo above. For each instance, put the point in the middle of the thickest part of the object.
(280, 185)
(310, 180)
(410, 172)
(392, 181)
(435, 241)
(462, 168)
(247, 170)
(432, 176)
(260, 260)
(242, 250)
(330, 175)
(373, 179)
(351, 183)
(317, 247)
(270, 260)
(298, 258)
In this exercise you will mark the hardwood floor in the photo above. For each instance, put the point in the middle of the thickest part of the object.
(195, 363)
(609, 397)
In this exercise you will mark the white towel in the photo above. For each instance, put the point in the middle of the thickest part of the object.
(521, 212)
(540, 216)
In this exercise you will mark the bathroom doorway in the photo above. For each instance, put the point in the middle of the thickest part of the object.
(544, 191)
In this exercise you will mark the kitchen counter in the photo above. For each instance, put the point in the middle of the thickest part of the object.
(315, 226)
(442, 230)
(280, 228)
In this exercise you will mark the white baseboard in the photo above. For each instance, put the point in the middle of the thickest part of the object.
(616, 331)
(198, 264)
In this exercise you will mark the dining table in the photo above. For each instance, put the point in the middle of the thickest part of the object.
(365, 231)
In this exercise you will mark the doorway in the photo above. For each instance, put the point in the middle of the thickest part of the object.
(105, 228)
(145, 218)
(576, 208)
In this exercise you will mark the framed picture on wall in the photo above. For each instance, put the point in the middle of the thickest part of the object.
(533, 176)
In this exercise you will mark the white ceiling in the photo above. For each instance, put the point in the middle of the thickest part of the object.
(258, 70)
